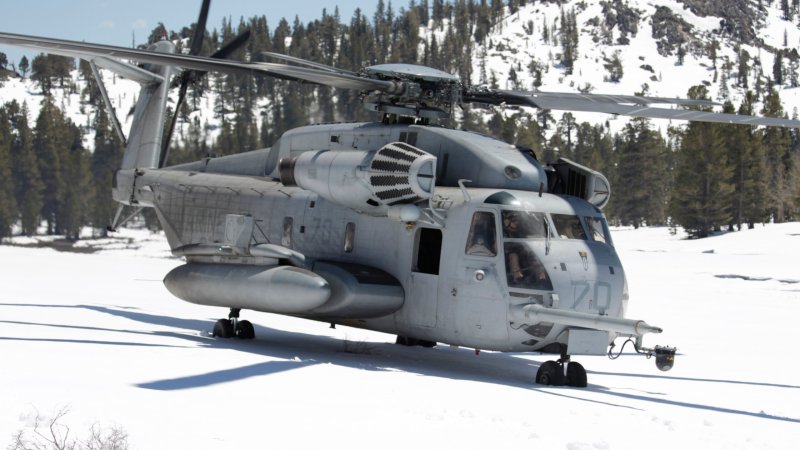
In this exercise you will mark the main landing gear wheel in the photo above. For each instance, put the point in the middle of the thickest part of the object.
(223, 328)
(244, 330)
(232, 326)
(551, 373)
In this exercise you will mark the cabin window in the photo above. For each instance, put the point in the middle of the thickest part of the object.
(523, 269)
(524, 224)
(568, 226)
(598, 229)
(286, 237)
(429, 251)
(349, 237)
(482, 238)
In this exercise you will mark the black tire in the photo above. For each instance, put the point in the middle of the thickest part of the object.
(426, 344)
(550, 373)
(576, 375)
(244, 330)
(223, 328)
(402, 340)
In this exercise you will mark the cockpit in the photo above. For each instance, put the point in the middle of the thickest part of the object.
(526, 238)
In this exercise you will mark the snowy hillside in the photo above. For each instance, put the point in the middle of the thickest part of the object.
(518, 42)
(99, 334)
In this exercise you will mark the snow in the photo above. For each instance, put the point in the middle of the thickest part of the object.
(99, 334)
(671, 79)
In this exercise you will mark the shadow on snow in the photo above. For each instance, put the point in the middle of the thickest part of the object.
(298, 350)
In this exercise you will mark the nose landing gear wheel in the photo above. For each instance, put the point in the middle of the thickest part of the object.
(576, 375)
(551, 373)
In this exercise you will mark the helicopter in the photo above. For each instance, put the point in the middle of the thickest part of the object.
(432, 234)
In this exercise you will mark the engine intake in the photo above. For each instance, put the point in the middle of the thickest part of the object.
(366, 181)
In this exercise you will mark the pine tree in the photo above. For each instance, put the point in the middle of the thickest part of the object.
(77, 193)
(8, 204)
(105, 159)
(777, 68)
(744, 68)
(24, 65)
(641, 184)
(530, 135)
(41, 73)
(595, 148)
(569, 40)
(158, 33)
(780, 161)
(746, 154)
(50, 148)
(614, 68)
(786, 10)
(567, 128)
(701, 197)
(28, 186)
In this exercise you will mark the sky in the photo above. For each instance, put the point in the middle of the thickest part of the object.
(116, 22)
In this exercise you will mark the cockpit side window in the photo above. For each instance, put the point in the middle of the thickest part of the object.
(598, 229)
(482, 239)
(524, 224)
(568, 226)
(523, 269)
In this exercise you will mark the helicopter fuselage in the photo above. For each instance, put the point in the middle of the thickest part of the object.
(463, 280)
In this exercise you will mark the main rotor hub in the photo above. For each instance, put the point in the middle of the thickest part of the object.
(427, 93)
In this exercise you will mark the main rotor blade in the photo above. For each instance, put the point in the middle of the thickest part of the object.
(89, 51)
(308, 63)
(200, 29)
(625, 105)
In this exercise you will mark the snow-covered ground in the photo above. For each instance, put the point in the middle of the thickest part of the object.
(99, 334)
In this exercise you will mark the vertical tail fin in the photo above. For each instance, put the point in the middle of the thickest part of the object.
(143, 149)
(147, 131)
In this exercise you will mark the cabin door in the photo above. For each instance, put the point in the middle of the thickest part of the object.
(424, 282)
(479, 304)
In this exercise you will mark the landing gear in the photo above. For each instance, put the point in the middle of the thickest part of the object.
(232, 326)
(576, 375)
(410, 342)
(223, 328)
(551, 373)
(244, 330)
(561, 372)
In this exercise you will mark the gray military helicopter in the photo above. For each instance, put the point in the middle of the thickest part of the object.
(401, 226)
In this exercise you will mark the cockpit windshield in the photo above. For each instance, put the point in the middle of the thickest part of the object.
(524, 224)
(598, 229)
(568, 226)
